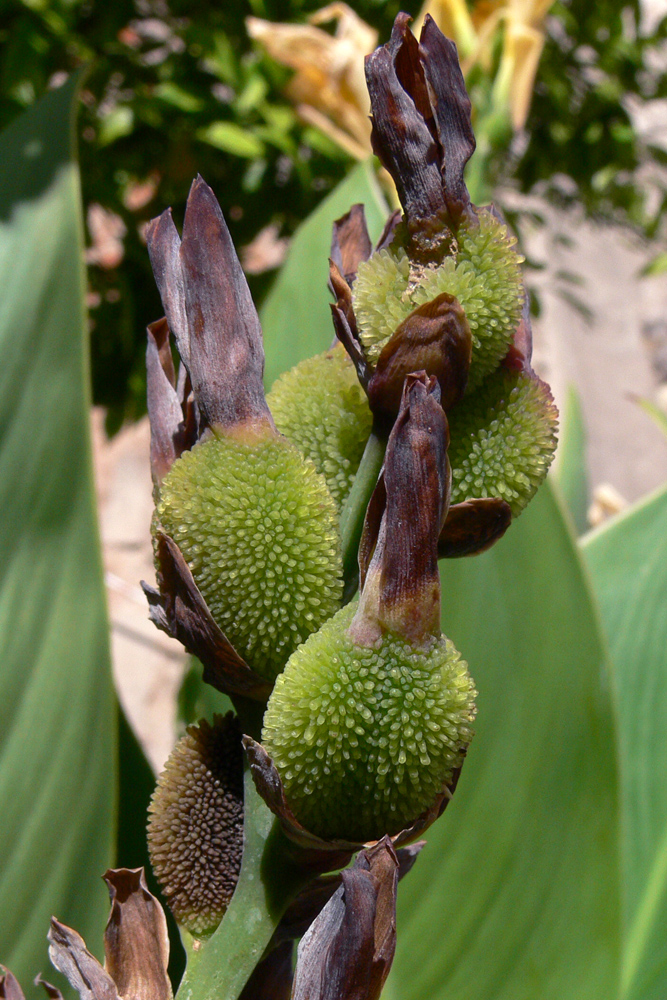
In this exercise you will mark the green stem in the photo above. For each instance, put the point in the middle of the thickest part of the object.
(354, 510)
(268, 882)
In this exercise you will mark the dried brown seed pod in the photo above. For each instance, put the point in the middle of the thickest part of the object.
(195, 830)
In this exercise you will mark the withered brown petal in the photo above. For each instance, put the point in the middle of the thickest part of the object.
(9, 986)
(52, 992)
(387, 234)
(350, 242)
(272, 978)
(345, 323)
(164, 245)
(310, 901)
(226, 351)
(164, 409)
(435, 337)
(520, 352)
(401, 590)
(180, 610)
(347, 952)
(473, 527)
(136, 943)
(451, 109)
(69, 955)
(401, 137)
(313, 853)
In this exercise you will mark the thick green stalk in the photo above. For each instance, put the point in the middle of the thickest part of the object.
(354, 510)
(267, 883)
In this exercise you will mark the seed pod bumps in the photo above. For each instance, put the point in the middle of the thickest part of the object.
(483, 273)
(320, 406)
(195, 830)
(503, 439)
(258, 527)
(365, 738)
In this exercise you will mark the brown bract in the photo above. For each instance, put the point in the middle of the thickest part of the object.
(179, 609)
(422, 131)
(136, 946)
(398, 554)
(171, 406)
(348, 949)
(210, 311)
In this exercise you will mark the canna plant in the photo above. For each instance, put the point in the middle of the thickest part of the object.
(421, 435)
(355, 713)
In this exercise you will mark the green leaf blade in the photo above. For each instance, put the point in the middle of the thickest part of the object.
(57, 738)
(627, 558)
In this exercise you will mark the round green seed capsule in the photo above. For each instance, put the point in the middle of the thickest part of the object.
(258, 528)
(195, 829)
(484, 275)
(320, 406)
(502, 439)
(365, 739)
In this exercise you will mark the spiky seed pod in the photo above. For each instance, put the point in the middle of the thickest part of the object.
(484, 276)
(195, 827)
(381, 300)
(365, 738)
(258, 528)
(503, 439)
(320, 406)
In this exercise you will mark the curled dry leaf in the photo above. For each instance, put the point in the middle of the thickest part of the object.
(180, 610)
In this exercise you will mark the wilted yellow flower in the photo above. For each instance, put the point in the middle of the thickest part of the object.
(329, 87)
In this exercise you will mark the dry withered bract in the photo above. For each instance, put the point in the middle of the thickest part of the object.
(136, 946)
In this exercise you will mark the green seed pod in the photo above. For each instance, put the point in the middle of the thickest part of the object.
(503, 439)
(320, 406)
(364, 738)
(195, 827)
(258, 528)
(484, 275)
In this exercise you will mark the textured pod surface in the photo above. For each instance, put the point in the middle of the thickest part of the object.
(320, 406)
(365, 739)
(195, 829)
(258, 528)
(484, 275)
(503, 439)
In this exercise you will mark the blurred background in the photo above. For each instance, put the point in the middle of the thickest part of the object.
(266, 100)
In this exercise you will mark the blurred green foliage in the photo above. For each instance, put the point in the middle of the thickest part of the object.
(175, 88)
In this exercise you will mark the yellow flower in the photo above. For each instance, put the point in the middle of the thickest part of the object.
(328, 87)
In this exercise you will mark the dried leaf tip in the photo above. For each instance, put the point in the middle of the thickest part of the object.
(398, 555)
(422, 130)
(136, 946)
(210, 311)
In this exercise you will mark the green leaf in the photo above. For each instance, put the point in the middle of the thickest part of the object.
(57, 736)
(179, 97)
(569, 469)
(516, 894)
(296, 318)
(231, 138)
(658, 416)
(627, 558)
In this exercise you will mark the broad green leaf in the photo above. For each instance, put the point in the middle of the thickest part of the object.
(628, 563)
(296, 318)
(569, 469)
(57, 732)
(516, 894)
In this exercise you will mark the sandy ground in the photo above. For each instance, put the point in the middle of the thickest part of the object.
(620, 354)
